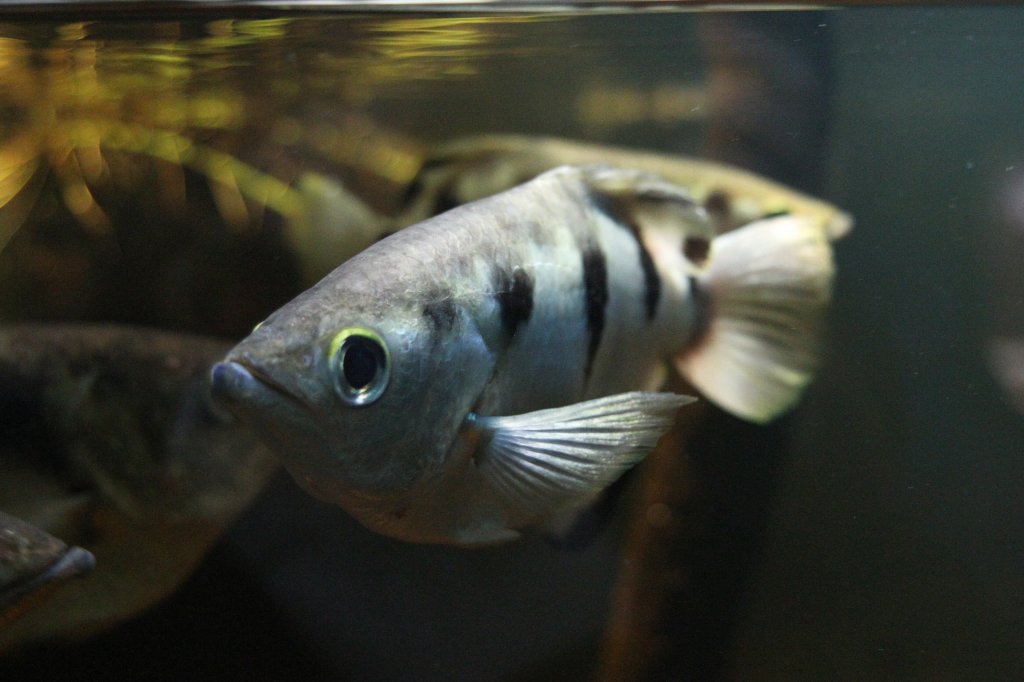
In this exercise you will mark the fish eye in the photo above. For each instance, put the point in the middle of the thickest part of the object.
(360, 365)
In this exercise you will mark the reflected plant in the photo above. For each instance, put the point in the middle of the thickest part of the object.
(71, 105)
(88, 104)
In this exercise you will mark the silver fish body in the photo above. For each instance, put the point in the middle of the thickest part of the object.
(489, 368)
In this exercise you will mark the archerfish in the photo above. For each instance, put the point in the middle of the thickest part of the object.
(495, 367)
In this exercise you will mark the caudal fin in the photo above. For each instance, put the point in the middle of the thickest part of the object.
(768, 285)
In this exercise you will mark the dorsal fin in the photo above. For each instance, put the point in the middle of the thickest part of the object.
(646, 200)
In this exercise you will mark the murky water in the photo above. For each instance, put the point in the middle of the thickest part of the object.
(151, 173)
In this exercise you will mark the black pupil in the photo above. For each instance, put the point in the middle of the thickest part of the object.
(359, 363)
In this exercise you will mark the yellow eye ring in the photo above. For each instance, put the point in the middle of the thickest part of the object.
(360, 365)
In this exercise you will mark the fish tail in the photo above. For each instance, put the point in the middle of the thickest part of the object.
(763, 299)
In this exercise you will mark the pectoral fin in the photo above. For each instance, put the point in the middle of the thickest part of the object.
(544, 462)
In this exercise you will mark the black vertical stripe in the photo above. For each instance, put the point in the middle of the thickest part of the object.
(702, 304)
(615, 209)
(440, 310)
(515, 298)
(595, 288)
(652, 281)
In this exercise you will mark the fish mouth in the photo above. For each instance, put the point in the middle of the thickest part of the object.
(237, 381)
(20, 596)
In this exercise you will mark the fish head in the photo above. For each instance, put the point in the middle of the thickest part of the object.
(361, 392)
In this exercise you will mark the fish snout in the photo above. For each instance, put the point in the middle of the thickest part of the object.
(240, 386)
(231, 382)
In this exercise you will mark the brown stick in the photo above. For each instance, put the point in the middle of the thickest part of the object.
(652, 574)
(696, 529)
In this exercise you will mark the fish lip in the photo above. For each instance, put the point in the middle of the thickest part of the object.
(264, 380)
(73, 562)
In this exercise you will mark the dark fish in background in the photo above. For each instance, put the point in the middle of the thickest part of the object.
(109, 441)
(335, 225)
(33, 563)
(471, 168)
